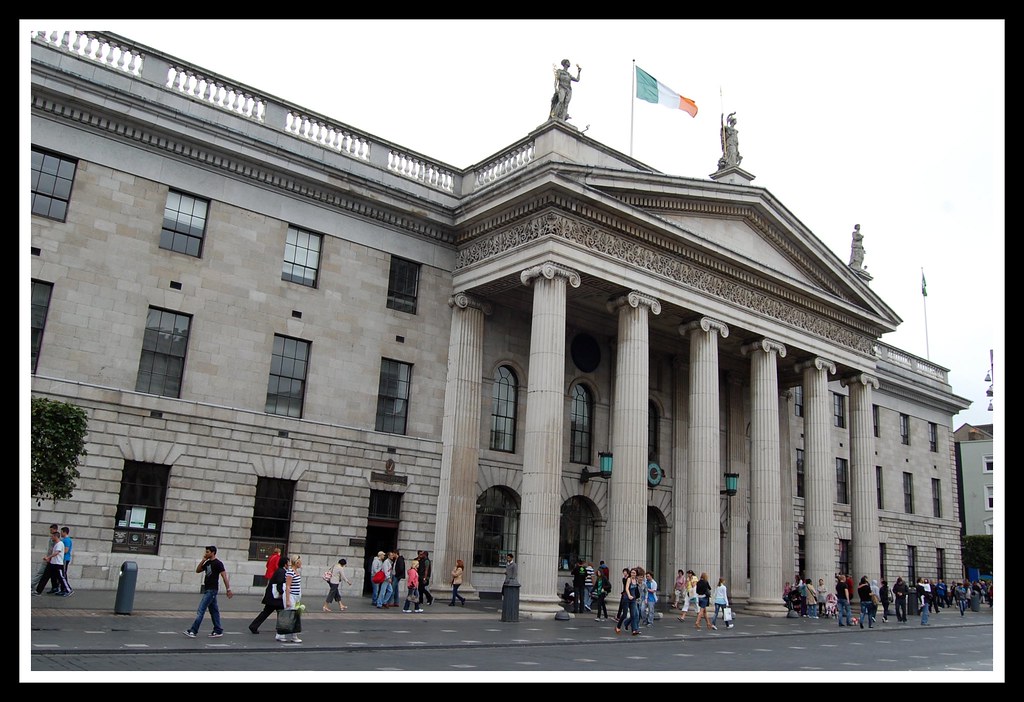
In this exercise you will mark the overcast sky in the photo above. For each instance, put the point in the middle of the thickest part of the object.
(894, 125)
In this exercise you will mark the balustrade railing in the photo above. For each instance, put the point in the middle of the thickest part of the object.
(505, 163)
(95, 46)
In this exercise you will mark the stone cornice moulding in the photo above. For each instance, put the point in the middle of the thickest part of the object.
(634, 298)
(682, 266)
(224, 162)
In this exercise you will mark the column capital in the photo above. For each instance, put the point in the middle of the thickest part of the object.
(767, 345)
(462, 300)
(818, 363)
(862, 378)
(707, 324)
(550, 270)
(634, 298)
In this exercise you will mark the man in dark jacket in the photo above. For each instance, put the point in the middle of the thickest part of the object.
(579, 583)
(424, 572)
(397, 575)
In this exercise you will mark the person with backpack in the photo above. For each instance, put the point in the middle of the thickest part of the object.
(602, 588)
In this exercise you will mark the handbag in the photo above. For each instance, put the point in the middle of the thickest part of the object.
(288, 621)
(728, 614)
(378, 577)
(327, 574)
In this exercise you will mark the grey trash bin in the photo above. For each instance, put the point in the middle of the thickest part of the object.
(510, 603)
(126, 588)
(975, 602)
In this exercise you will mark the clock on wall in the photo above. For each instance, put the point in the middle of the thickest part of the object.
(654, 474)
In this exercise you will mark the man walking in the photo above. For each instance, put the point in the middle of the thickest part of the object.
(397, 575)
(425, 571)
(212, 569)
(42, 576)
(65, 537)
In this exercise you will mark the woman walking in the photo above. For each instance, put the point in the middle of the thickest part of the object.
(721, 602)
(412, 596)
(457, 572)
(337, 578)
(292, 593)
(864, 593)
(632, 615)
(885, 598)
(601, 589)
(703, 600)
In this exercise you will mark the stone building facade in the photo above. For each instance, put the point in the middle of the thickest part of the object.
(288, 331)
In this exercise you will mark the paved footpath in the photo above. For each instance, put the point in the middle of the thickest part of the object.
(86, 623)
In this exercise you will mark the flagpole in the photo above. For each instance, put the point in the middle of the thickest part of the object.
(924, 302)
(632, 105)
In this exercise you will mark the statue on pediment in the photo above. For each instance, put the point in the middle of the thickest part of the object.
(563, 91)
(857, 248)
(730, 143)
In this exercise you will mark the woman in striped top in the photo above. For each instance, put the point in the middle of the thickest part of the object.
(292, 592)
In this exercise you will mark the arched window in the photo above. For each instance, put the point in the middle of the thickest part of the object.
(503, 410)
(581, 422)
(497, 527)
(575, 533)
(652, 431)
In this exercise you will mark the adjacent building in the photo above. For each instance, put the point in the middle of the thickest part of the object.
(289, 331)
(976, 469)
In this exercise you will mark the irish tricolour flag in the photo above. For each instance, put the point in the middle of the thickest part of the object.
(652, 90)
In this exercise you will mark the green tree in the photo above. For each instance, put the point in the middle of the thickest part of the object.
(977, 552)
(58, 442)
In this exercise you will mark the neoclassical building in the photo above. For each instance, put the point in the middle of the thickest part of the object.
(288, 331)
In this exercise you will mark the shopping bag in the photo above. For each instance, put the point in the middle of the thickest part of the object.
(728, 614)
(288, 621)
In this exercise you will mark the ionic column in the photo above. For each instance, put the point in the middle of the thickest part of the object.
(542, 456)
(460, 439)
(627, 513)
(702, 512)
(765, 479)
(863, 493)
(819, 472)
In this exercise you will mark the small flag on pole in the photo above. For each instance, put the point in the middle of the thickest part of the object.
(924, 285)
(652, 90)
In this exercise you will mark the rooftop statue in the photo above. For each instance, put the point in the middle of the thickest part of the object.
(730, 143)
(563, 91)
(857, 248)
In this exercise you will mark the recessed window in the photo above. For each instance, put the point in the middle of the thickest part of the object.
(653, 421)
(503, 410)
(874, 419)
(575, 533)
(184, 224)
(842, 481)
(990, 500)
(940, 563)
(798, 400)
(839, 410)
(301, 257)
(140, 508)
(52, 177)
(289, 365)
(936, 497)
(403, 285)
(933, 436)
(799, 472)
(162, 363)
(908, 493)
(882, 559)
(844, 556)
(271, 517)
(987, 462)
(911, 565)
(393, 396)
(581, 417)
(905, 429)
(41, 293)
(878, 486)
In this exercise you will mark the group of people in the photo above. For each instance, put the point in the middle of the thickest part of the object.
(54, 568)
(388, 570)
(697, 593)
(590, 585)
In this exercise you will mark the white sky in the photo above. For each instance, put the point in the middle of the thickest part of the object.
(894, 125)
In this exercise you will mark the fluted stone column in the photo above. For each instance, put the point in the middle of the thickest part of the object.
(765, 479)
(542, 458)
(819, 472)
(863, 493)
(680, 460)
(627, 513)
(702, 511)
(460, 441)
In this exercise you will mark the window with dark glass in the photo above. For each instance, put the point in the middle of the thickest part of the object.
(580, 424)
(799, 472)
(164, 343)
(289, 365)
(271, 517)
(301, 257)
(184, 224)
(908, 493)
(839, 409)
(905, 429)
(940, 563)
(844, 556)
(933, 436)
(882, 561)
(874, 419)
(936, 497)
(911, 566)
(403, 285)
(842, 481)
(653, 419)
(139, 517)
(878, 486)
(52, 177)
(41, 293)
(575, 533)
(503, 410)
(798, 400)
(497, 527)
(393, 396)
